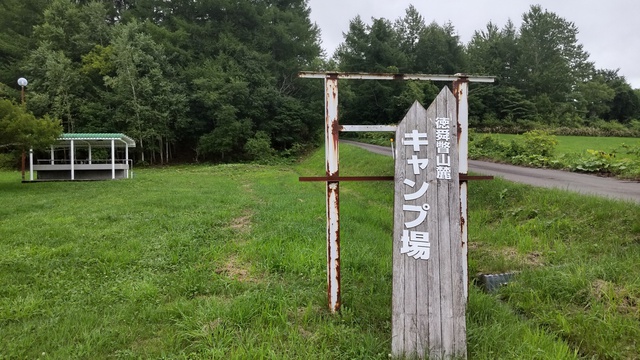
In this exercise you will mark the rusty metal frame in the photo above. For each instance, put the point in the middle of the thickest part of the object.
(386, 76)
(332, 178)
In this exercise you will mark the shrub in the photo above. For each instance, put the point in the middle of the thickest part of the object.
(9, 161)
(486, 146)
(259, 147)
(540, 142)
(600, 162)
(632, 149)
(531, 160)
(535, 149)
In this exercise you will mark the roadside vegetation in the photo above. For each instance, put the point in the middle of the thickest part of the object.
(597, 155)
(228, 261)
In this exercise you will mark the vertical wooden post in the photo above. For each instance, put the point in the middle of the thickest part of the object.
(23, 164)
(332, 132)
(428, 314)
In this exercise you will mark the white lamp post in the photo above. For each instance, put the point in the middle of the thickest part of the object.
(22, 82)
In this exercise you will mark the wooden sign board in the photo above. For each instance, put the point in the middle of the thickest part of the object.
(429, 303)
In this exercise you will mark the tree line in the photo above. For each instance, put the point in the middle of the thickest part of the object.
(543, 74)
(215, 80)
(186, 79)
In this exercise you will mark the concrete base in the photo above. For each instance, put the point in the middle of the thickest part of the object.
(80, 175)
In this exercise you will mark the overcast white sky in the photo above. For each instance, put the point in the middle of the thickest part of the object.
(609, 29)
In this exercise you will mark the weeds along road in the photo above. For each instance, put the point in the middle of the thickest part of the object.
(581, 183)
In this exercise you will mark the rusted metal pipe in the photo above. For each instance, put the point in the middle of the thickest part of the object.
(389, 76)
(463, 177)
(461, 92)
(332, 134)
(345, 178)
(369, 128)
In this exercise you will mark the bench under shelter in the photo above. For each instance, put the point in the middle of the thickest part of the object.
(84, 156)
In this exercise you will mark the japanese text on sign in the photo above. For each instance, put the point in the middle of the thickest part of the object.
(443, 144)
(415, 243)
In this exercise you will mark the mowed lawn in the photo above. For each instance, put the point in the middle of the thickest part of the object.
(229, 261)
(580, 144)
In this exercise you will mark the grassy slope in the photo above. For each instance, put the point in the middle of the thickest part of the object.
(206, 262)
(578, 256)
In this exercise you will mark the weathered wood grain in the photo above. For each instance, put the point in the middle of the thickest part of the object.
(428, 306)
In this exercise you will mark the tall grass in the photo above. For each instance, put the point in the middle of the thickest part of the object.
(229, 262)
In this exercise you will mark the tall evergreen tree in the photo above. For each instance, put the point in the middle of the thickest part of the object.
(371, 48)
(409, 29)
(552, 62)
(624, 104)
(17, 19)
(439, 51)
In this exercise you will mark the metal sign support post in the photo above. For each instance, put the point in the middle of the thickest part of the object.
(461, 92)
(332, 133)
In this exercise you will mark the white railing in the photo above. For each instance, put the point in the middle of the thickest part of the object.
(81, 161)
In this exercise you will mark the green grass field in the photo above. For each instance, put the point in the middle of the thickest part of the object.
(208, 262)
(579, 144)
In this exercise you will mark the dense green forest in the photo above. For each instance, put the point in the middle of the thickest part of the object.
(215, 80)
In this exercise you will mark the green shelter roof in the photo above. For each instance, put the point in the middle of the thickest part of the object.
(97, 139)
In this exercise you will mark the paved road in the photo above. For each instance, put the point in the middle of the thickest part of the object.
(581, 183)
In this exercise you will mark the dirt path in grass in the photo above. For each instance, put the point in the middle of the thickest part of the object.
(581, 183)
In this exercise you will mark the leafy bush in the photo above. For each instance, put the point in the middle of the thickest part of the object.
(632, 149)
(539, 142)
(612, 126)
(259, 147)
(535, 148)
(486, 146)
(8, 161)
(594, 161)
(531, 160)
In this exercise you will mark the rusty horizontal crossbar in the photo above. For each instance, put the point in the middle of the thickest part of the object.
(370, 128)
(391, 76)
(346, 178)
(463, 177)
